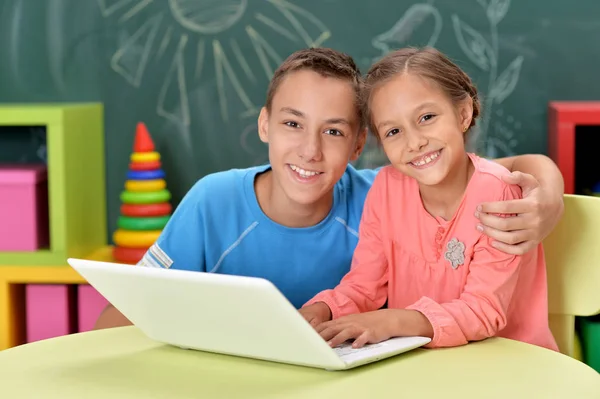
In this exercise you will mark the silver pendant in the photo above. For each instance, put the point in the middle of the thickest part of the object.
(455, 253)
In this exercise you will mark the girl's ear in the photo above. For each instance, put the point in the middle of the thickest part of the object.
(360, 144)
(263, 124)
(466, 113)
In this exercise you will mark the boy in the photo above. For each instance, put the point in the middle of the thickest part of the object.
(295, 221)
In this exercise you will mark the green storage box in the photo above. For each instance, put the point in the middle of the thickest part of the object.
(589, 330)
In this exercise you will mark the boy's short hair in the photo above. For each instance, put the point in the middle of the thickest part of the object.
(326, 62)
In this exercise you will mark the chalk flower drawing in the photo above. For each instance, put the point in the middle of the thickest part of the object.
(484, 54)
(403, 30)
(196, 27)
(421, 25)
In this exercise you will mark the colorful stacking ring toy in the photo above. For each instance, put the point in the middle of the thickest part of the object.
(143, 223)
(135, 239)
(129, 255)
(150, 197)
(150, 165)
(145, 156)
(145, 210)
(145, 174)
(145, 207)
(145, 185)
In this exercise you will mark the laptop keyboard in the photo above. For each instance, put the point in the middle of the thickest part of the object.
(347, 349)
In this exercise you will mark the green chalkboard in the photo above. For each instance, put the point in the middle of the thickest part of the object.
(196, 71)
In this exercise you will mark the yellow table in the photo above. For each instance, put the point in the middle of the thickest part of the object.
(123, 363)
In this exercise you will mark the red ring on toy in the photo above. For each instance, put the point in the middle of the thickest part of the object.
(148, 165)
(160, 209)
(128, 255)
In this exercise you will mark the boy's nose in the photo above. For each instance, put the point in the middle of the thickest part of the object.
(311, 149)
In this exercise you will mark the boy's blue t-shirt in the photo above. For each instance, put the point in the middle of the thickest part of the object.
(219, 227)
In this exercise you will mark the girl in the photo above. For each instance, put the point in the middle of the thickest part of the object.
(417, 248)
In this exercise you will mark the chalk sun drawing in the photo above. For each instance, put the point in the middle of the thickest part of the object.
(208, 17)
(195, 29)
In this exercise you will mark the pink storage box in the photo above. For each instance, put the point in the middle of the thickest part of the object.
(50, 311)
(24, 222)
(91, 304)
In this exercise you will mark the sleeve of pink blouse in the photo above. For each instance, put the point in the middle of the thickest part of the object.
(364, 287)
(480, 311)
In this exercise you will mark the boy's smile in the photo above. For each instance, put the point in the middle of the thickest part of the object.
(304, 175)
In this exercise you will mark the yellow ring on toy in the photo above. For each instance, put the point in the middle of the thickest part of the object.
(145, 156)
(135, 239)
(145, 185)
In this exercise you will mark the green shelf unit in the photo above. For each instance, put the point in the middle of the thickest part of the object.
(76, 178)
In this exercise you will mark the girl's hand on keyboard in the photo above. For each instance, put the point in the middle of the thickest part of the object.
(316, 313)
(363, 328)
(374, 327)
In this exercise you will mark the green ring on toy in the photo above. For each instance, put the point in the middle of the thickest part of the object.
(148, 197)
(149, 223)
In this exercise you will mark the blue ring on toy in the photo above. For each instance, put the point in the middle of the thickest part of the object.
(145, 174)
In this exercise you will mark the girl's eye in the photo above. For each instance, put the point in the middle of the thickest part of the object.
(292, 124)
(333, 132)
(427, 117)
(392, 132)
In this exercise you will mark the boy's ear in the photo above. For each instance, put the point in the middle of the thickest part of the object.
(466, 112)
(360, 144)
(263, 123)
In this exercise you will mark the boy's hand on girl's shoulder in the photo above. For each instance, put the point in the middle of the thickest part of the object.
(537, 213)
(316, 313)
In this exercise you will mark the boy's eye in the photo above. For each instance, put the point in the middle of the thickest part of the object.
(427, 117)
(392, 132)
(292, 124)
(333, 132)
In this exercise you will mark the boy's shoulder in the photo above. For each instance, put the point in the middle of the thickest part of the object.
(356, 183)
(224, 184)
(354, 177)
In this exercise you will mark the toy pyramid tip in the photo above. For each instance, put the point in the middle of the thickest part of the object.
(143, 141)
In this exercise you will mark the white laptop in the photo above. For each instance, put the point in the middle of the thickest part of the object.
(233, 315)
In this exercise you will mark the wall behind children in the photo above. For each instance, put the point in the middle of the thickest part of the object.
(196, 71)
